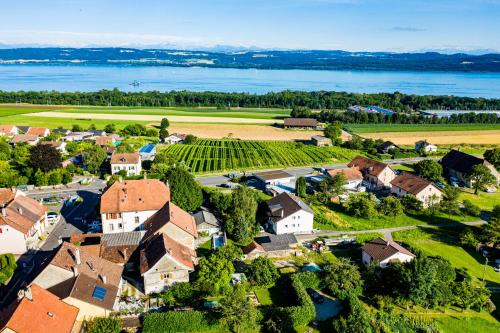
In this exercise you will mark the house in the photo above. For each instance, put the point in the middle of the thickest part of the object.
(386, 147)
(459, 165)
(425, 146)
(300, 123)
(175, 138)
(377, 174)
(125, 205)
(77, 136)
(321, 141)
(163, 262)
(25, 138)
(22, 221)
(38, 311)
(288, 214)
(104, 140)
(98, 133)
(385, 252)
(174, 222)
(424, 190)
(39, 131)
(353, 176)
(270, 245)
(206, 222)
(61, 131)
(23, 129)
(274, 177)
(58, 145)
(84, 280)
(130, 162)
(9, 130)
(148, 152)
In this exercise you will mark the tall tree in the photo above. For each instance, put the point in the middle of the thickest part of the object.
(93, 158)
(45, 157)
(185, 190)
(493, 156)
(164, 123)
(301, 187)
(333, 131)
(342, 278)
(480, 177)
(262, 272)
(241, 222)
(429, 169)
(491, 230)
(236, 310)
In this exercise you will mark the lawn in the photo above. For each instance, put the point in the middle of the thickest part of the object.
(484, 200)
(476, 323)
(402, 167)
(379, 128)
(6, 111)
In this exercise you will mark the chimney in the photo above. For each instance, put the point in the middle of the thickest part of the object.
(4, 211)
(75, 271)
(20, 210)
(104, 279)
(120, 179)
(124, 253)
(28, 294)
(50, 314)
(77, 256)
(282, 212)
(145, 175)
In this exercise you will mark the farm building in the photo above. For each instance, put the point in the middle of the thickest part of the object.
(377, 109)
(300, 123)
(459, 165)
(425, 146)
(321, 141)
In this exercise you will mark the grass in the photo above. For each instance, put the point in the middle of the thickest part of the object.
(403, 167)
(263, 295)
(479, 323)
(379, 128)
(5, 111)
(484, 200)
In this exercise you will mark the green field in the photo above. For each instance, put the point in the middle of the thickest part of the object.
(208, 155)
(484, 200)
(380, 128)
(11, 111)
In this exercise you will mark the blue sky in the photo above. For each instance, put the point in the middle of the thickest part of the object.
(356, 25)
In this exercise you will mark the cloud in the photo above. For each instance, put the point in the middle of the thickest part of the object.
(407, 29)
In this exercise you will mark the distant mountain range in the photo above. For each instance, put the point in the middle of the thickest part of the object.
(259, 59)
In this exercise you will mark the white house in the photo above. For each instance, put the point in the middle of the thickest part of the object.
(385, 252)
(175, 138)
(77, 136)
(353, 176)
(9, 130)
(130, 162)
(163, 262)
(423, 189)
(288, 214)
(425, 146)
(274, 177)
(206, 222)
(126, 205)
(377, 174)
(22, 221)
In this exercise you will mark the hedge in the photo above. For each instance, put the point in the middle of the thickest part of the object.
(7, 267)
(178, 321)
(304, 312)
(308, 279)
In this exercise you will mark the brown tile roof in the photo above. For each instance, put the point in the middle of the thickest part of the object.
(253, 247)
(159, 246)
(284, 205)
(300, 122)
(380, 249)
(20, 138)
(93, 268)
(349, 173)
(55, 144)
(103, 140)
(45, 312)
(170, 213)
(135, 195)
(273, 174)
(125, 158)
(366, 165)
(411, 183)
(21, 212)
(6, 129)
(38, 131)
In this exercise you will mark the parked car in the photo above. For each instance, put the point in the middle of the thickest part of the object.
(440, 185)
(315, 296)
(53, 217)
(491, 190)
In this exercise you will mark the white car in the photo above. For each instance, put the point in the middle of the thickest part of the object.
(53, 217)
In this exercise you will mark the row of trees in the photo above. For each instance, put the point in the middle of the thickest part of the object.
(286, 99)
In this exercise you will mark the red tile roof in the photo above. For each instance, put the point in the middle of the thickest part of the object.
(349, 173)
(20, 138)
(366, 165)
(45, 312)
(380, 249)
(170, 213)
(411, 183)
(6, 129)
(38, 131)
(161, 245)
(20, 212)
(300, 122)
(135, 195)
(253, 247)
(125, 158)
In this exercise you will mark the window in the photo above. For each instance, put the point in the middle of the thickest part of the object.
(286, 225)
(120, 226)
(137, 219)
(111, 227)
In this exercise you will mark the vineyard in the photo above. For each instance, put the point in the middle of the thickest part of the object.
(207, 155)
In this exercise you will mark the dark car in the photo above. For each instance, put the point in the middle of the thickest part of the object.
(315, 296)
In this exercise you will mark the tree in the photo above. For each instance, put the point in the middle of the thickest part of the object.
(450, 204)
(361, 205)
(390, 206)
(8, 176)
(214, 272)
(480, 177)
(76, 128)
(468, 239)
(104, 325)
(45, 157)
(300, 112)
(110, 128)
(301, 187)
(4, 151)
(185, 190)
(429, 169)
(237, 311)
(493, 156)
(93, 158)
(179, 294)
(40, 178)
(163, 134)
(341, 278)
(262, 272)
(241, 222)
(92, 127)
(164, 123)
(7, 267)
(332, 186)
(491, 230)
(357, 319)
(189, 139)
(334, 131)
(411, 204)
(470, 209)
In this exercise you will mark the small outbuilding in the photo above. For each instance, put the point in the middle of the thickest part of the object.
(385, 252)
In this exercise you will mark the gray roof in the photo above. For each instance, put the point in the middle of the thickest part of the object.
(320, 138)
(205, 216)
(123, 238)
(273, 174)
(284, 205)
(272, 242)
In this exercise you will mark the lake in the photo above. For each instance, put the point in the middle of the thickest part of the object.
(96, 77)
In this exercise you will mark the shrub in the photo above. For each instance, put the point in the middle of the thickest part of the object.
(308, 279)
(471, 209)
(468, 239)
(7, 267)
(390, 206)
(361, 205)
(262, 272)
(178, 321)
(302, 313)
(104, 325)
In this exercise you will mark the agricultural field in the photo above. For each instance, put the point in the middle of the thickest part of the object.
(382, 128)
(206, 156)
(491, 136)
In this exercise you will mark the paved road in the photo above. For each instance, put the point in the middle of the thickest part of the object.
(218, 180)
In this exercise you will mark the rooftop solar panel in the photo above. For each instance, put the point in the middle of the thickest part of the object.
(99, 293)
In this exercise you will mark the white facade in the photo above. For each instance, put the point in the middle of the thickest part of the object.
(132, 169)
(173, 139)
(163, 274)
(15, 242)
(301, 221)
(397, 257)
(383, 179)
(429, 195)
(124, 221)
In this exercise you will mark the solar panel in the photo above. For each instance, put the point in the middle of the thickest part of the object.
(99, 293)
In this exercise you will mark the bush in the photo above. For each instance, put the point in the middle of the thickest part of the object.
(391, 206)
(468, 239)
(411, 203)
(7, 267)
(104, 325)
(178, 321)
(302, 313)
(361, 205)
(471, 209)
(308, 279)
(262, 272)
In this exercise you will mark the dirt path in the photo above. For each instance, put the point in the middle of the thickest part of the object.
(153, 118)
(440, 137)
